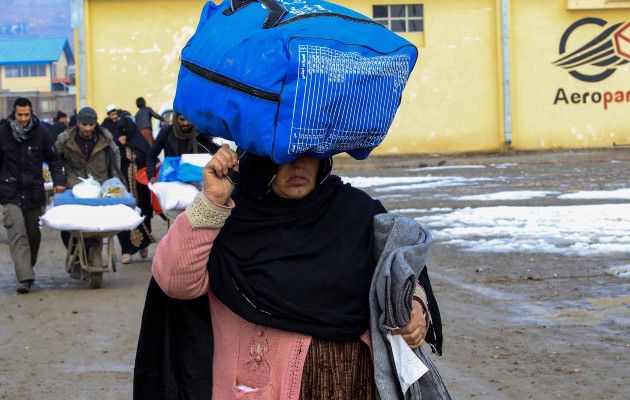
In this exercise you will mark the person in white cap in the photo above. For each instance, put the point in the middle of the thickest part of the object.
(109, 122)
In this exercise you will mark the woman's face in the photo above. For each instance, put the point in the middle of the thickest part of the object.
(295, 180)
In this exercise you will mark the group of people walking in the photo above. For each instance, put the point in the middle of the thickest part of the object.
(116, 148)
(277, 282)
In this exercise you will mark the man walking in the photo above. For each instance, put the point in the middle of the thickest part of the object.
(111, 120)
(143, 119)
(176, 139)
(88, 149)
(24, 146)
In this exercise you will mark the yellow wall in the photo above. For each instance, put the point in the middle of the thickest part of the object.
(452, 102)
(596, 4)
(454, 99)
(132, 50)
(26, 84)
(538, 123)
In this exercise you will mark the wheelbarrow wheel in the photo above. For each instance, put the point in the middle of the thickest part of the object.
(96, 280)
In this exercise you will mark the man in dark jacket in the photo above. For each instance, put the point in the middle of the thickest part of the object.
(88, 149)
(111, 120)
(143, 119)
(24, 146)
(179, 138)
(60, 124)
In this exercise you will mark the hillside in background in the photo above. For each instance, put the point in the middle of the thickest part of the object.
(21, 19)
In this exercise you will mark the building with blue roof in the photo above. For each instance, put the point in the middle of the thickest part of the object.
(36, 65)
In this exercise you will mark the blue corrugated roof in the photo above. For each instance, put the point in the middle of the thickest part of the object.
(34, 51)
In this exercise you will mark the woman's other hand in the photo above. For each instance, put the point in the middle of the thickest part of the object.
(415, 331)
(216, 184)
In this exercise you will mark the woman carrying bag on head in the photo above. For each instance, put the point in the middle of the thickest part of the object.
(286, 260)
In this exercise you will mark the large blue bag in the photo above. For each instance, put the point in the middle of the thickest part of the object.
(283, 78)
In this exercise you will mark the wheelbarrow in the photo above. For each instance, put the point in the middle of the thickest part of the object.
(77, 254)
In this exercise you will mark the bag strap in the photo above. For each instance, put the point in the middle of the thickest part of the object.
(276, 10)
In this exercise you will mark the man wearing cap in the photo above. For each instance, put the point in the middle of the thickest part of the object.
(24, 146)
(88, 149)
(109, 122)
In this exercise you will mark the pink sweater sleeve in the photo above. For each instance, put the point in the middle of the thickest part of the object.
(179, 264)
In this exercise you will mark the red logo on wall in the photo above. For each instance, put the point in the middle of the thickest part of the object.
(600, 55)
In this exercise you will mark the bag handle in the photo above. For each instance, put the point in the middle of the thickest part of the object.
(276, 10)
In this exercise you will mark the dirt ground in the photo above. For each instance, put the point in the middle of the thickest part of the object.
(516, 325)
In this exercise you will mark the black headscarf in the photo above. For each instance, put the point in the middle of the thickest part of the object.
(297, 265)
(126, 127)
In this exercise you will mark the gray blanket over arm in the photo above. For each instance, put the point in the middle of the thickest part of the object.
(402, 247)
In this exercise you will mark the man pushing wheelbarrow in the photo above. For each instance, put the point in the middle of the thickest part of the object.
(87, 149)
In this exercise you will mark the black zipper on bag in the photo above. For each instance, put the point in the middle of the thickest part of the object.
(328, 14)
(229, 82)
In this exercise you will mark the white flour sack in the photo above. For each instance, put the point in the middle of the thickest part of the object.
(74, 217)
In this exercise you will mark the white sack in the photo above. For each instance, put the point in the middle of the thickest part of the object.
(200, 159)
(74, 217)
(174, 195)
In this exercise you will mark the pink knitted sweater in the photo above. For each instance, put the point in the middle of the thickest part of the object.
(250, 361)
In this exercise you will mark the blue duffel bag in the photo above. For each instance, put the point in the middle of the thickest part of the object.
(283, 78)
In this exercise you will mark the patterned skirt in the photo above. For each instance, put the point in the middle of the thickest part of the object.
(338, 371)
(140, 237)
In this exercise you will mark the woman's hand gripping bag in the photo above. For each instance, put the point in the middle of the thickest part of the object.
(283, 78)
